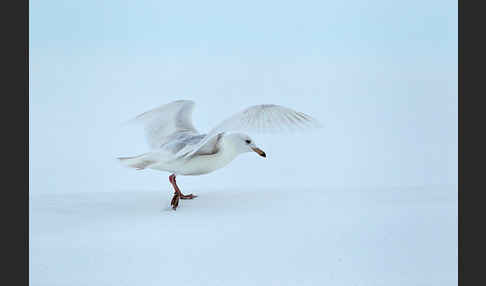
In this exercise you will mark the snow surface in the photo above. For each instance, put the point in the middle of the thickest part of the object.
(389, 236)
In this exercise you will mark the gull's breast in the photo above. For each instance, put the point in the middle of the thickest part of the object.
(204, 164)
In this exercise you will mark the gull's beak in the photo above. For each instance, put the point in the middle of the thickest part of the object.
(259, 151)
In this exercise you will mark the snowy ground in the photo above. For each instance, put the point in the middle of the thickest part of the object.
(405, 236)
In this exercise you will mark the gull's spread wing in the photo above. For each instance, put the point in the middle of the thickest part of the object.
(258, 118)
(166, 121)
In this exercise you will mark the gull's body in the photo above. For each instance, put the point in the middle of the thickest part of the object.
(178, 148)
(195, 165)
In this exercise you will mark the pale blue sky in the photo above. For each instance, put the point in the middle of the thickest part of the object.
(380, 75)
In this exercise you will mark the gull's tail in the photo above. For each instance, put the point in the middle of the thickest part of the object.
(138, 162)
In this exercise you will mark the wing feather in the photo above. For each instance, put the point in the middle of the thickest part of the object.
(262, 118)
(166, 121)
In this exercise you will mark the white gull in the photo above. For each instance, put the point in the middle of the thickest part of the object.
(178, 148)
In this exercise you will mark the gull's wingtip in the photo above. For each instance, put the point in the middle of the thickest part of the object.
(130, 122)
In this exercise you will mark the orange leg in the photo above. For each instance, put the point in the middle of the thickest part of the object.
(177, 193)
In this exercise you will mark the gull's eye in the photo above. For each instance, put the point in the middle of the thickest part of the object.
(247, 141)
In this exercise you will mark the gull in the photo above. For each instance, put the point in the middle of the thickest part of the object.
(178, 148)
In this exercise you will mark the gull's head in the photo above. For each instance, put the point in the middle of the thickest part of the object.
(243, 143)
